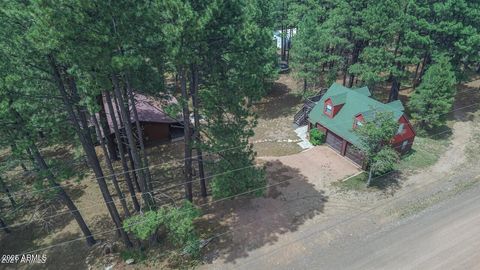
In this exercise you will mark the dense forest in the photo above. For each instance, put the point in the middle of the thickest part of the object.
(61, 59)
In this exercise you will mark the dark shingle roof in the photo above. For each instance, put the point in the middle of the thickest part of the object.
(149, 109)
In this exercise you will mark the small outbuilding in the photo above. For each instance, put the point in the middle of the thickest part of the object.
(157, 126)
(341, 110)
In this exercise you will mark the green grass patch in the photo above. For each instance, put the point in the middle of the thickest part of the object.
(137, 255)
(425, 152)
(357, 182)
(422, 204)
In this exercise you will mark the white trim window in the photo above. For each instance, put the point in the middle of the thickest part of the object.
(404, 144)
(401, 128)
(359, 123)
(329, 109)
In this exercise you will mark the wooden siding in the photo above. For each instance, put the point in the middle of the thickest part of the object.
(407, 132)
(153, 132)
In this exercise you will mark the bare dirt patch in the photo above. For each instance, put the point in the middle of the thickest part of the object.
(296, 195)
(275, 118)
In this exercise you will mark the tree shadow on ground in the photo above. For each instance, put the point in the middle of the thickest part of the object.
(467, 102)
(25, 237)
(247, 223)
(441, 132)
(388, 184)
(69, 255)
(280, 102)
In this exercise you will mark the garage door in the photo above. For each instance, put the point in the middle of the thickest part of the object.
(354, 154)
(334, 141)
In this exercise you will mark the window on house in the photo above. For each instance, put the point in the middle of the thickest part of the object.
(358, 123)
(328, 109)
(404, 144)
(401, 128)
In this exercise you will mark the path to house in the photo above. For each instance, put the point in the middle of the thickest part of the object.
(274, 135)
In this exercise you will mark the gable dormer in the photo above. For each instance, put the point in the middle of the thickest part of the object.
(358, 121)
(333, 104)
(328, 107)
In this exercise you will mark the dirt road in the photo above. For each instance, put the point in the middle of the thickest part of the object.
(444, 237)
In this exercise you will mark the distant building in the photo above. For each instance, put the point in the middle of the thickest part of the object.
(157, 126)
(277, 36)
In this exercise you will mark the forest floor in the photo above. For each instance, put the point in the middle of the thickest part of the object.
(275, 119)
(246, 228)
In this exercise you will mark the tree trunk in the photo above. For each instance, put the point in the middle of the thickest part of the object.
(132, 144)
(415, 75)
(370, 172)
(355, 54)
(134, 170)
(140, 137)
(394, 89)
(108, 161)
(188, 136)
(121, 150)
(425, 63)
(5, 189)
(124, 143)
(42, 166)
(4, 226)
(196, 133)
(104, 125)
(24, 168)
(282, 46)
(87, 144)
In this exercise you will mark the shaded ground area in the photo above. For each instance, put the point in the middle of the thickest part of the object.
(296, 196)
(250, 223)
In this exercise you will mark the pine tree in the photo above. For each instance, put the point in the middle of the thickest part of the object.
(433, 99)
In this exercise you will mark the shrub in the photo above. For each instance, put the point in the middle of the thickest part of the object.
(316, 137)
(180, 228)
(137, 255)
(177, 220)
(143, 226)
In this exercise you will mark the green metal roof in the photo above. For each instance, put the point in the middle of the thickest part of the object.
(338, 99)
(356, 101)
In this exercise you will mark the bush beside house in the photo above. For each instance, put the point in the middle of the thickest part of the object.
(316, 137)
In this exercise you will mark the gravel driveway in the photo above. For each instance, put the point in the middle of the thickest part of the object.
(320, 165)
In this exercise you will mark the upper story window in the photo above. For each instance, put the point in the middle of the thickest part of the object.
(358, 123)
(328, 109)
(401, 128)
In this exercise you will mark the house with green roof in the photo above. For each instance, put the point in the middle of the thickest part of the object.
(341, 110)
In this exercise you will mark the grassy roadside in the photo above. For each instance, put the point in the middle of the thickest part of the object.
(424, 203)
(357, 182)
(425, 152)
